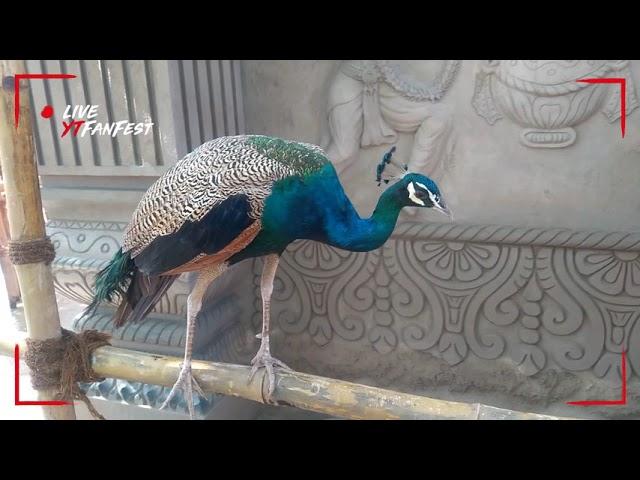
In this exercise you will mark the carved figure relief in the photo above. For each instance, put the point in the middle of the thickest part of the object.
(545, 97)
(371, 101)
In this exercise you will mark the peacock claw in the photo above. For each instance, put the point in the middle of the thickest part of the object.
(188, 384)
(263, 359)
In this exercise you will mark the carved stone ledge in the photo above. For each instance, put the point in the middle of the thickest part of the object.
(74, 278)
(163, 334)
(83, 248)
(529, 302)
(86, 238)
(513, 235)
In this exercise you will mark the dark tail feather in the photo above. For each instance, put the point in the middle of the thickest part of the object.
(143, 294)
(111, 281)
(137, 291)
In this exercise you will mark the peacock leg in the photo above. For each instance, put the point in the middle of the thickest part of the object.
(186, 381)
(263, 358)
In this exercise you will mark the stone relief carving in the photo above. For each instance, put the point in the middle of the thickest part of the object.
(74, 278)
(546, 299)
(96, 239)
(371, 101)
(545, 97)
(83, 248)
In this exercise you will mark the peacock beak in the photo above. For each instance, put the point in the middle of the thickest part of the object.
(442, 207)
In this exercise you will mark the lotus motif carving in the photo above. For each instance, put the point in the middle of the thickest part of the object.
(546, 98)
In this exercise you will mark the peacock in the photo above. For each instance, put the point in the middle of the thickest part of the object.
(235, 198)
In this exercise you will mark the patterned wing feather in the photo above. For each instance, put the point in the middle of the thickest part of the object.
(244, 166)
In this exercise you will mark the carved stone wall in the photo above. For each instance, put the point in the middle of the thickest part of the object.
(526, 301)
(490, 176)
(371, 100)
(547, 97)
(546, 303)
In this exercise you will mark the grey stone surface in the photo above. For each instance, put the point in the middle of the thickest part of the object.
(492, 178)
(528, 299)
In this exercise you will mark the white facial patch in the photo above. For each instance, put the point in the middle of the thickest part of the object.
(432, 197)
(412, 194)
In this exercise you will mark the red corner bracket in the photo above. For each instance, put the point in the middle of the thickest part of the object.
(623, 96)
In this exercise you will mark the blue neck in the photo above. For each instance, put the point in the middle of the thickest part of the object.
(350, 232)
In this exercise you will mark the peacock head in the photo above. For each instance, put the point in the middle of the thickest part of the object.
(413, 189)
(423, 192)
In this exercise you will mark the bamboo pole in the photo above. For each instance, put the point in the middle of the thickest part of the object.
(10, 278)
(301, 390)
(26, 222)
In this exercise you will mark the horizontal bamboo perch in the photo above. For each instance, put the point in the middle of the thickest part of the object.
(301, 390)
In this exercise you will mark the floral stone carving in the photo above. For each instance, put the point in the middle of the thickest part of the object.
(545, 97)
(542, 299)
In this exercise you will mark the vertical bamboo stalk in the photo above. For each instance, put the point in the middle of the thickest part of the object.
(26, 222)
(10, 278)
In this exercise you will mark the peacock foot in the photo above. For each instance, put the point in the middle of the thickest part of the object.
(263, 359)
(187, 383)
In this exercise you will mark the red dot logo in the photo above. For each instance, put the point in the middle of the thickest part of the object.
(47, 111)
